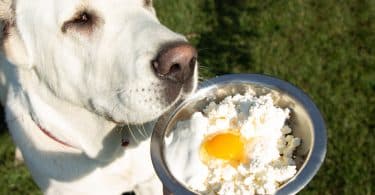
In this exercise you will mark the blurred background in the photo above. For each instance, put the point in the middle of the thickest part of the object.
(325, 47)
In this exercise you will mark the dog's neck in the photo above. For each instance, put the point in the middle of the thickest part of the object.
(72, 124)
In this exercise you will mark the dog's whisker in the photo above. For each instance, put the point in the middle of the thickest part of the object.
(201, 79)
(133, 135)
(144, 130)
(140, 130)
(202, 66)
(128, 126)
(122, 129)
(204, 49)
(130, 129)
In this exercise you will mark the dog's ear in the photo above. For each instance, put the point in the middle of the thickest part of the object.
(11, 43)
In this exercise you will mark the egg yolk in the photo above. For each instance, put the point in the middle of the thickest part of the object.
(228, 146)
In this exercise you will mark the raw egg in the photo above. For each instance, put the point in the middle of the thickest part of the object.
(228, 146)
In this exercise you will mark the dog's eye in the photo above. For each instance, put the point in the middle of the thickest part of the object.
(83, 22)
(82, 19)
(147, 3)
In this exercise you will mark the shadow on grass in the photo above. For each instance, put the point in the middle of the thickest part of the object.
(3, 126)
(230, 38)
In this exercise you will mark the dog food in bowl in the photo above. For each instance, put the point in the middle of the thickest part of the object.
(239, 145)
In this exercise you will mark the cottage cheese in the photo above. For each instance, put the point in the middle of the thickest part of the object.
(268, 147)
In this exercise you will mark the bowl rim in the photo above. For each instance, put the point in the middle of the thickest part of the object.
(303, 176)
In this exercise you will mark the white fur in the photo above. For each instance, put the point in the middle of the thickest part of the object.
(69, 83)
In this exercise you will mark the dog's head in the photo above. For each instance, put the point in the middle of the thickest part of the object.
(111, 57)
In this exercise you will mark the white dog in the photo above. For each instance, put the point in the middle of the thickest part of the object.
(77, 78)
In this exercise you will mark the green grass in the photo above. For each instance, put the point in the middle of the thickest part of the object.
(14, 179)
(324, 47)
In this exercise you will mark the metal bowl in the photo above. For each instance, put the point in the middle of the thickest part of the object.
(305, 121)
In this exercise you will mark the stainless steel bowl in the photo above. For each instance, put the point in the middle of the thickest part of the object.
(305, 120)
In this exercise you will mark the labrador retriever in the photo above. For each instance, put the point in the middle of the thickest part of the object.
(81, 82)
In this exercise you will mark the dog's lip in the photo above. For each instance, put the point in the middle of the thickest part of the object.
(177, 101)
(109, 118)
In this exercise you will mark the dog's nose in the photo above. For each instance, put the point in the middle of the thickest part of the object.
(176, 61)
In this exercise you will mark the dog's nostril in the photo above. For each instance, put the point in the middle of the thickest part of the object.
(175, 61)
(175, 68)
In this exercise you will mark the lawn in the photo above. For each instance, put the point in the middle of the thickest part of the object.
(324, 47)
